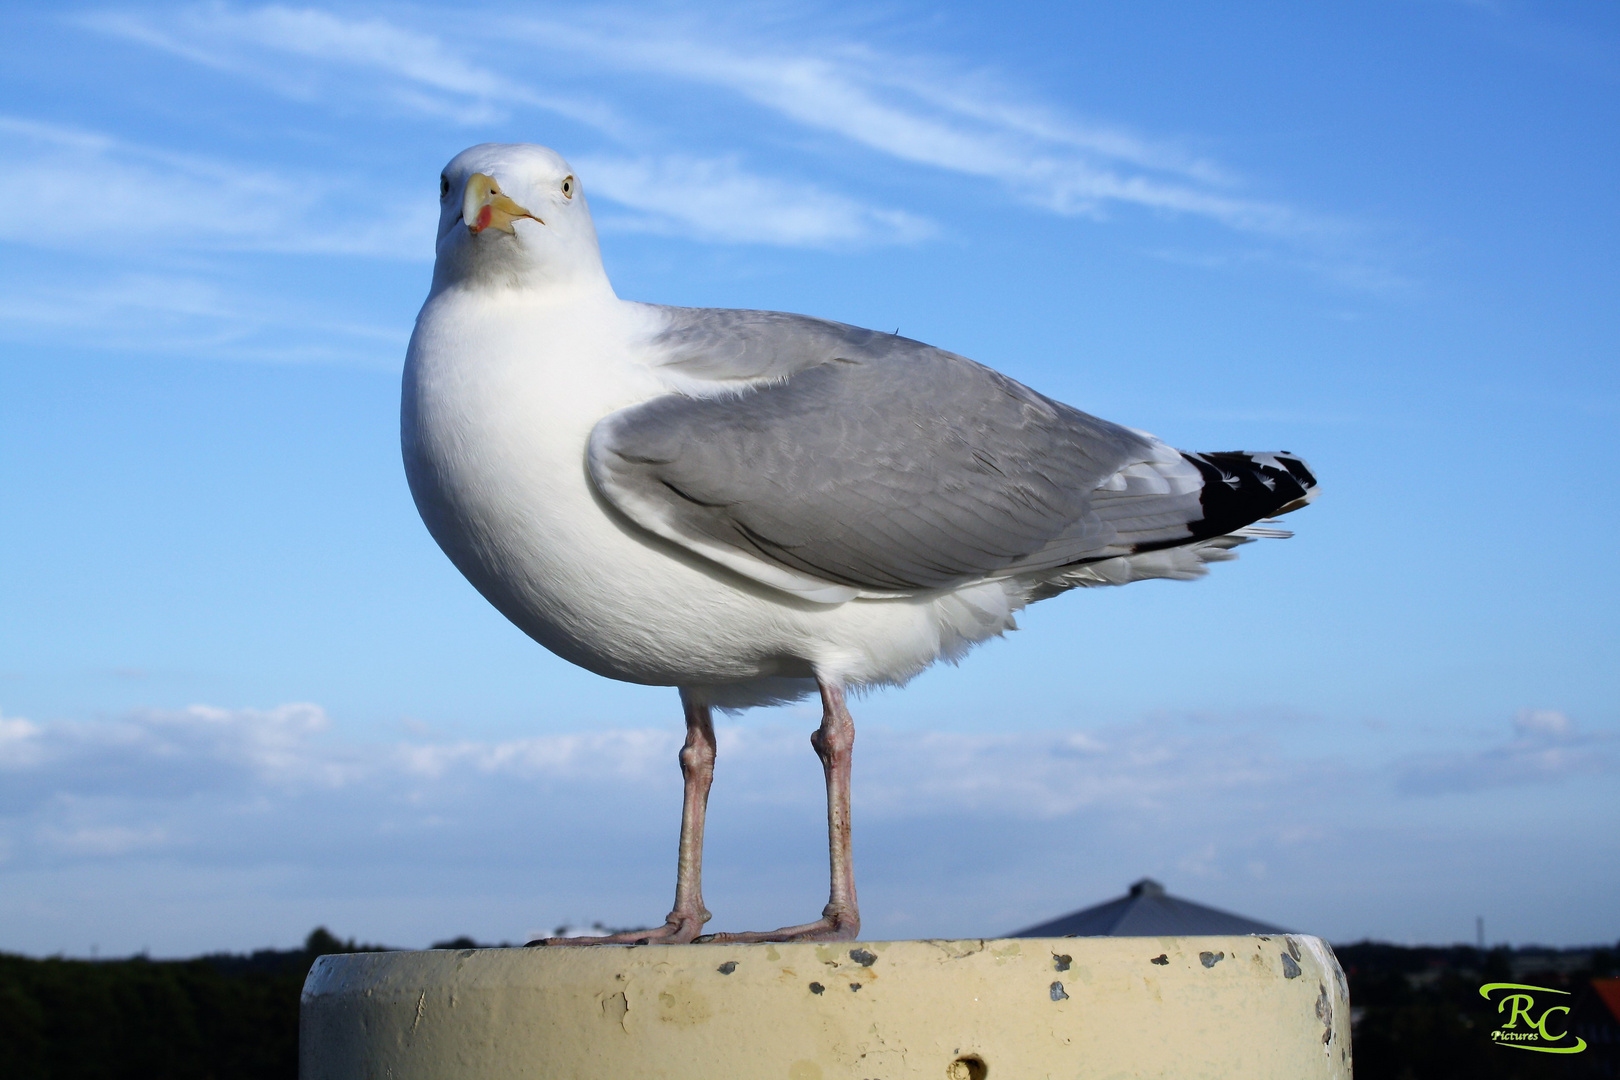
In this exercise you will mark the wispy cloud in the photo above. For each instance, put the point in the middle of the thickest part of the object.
(428, 75)
(1546, 747)
(157, 754)
(919, 111)
(719, 200)
(935, 113)
(186, 314)
(714, 199)
(1341, 262)
(67, 187)
(138, 239)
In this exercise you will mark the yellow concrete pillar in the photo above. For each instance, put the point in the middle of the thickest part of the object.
(1016, 1009)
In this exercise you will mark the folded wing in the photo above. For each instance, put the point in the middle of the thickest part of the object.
(831, 462)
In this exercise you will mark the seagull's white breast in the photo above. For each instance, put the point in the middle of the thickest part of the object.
(501, 391)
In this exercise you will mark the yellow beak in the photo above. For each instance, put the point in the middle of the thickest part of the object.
(483, 206)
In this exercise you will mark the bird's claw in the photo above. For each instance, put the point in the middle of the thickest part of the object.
(839, 926)
(675, 931)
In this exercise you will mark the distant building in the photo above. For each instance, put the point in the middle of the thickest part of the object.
(1148, 911)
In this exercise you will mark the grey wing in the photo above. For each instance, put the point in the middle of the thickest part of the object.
(738, 347)
(876, 464)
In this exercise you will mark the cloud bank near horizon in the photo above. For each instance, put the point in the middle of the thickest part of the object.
(520, 834)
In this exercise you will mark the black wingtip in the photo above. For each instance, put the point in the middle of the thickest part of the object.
(1241, 487)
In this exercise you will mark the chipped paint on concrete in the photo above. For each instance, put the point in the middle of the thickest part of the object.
(614, 1008)
(783, 1011)
(1007, 951)
(957, 949)
(1321, 953)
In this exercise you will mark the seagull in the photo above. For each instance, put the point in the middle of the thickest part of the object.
(755, 506)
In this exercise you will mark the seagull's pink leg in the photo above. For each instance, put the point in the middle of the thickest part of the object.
(684, 923)
(697, 770)
(841, 918)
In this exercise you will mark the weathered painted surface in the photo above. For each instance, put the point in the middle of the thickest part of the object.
(1250, 1007)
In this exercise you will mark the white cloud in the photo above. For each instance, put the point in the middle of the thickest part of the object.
(621, 754)
(937, 114)
(237, 40)
(157, 754)
(185, 314)
(714, 200)
(19, 742)
(373, 42)
(169, 753)
(104, 839)
(720, 201)
(65, 187)
(260, 823)
(1546, 747)
(1353, 270)
(1543, 724)
(107, 215)
(921, 111)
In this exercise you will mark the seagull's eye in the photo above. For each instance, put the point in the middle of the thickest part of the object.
(568, 187)
(444, 186)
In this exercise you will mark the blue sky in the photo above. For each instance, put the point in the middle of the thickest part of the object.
(241, 693)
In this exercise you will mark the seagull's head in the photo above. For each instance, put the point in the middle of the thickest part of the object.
(513, 215)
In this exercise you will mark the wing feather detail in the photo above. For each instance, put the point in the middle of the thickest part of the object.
(831, 462)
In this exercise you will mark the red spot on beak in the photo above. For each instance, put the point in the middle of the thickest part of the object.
(485, 215)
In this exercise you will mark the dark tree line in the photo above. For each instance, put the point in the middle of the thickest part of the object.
(1417, 1013)
(220, 1017)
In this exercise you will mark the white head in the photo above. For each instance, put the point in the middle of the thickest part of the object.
(513, 215)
